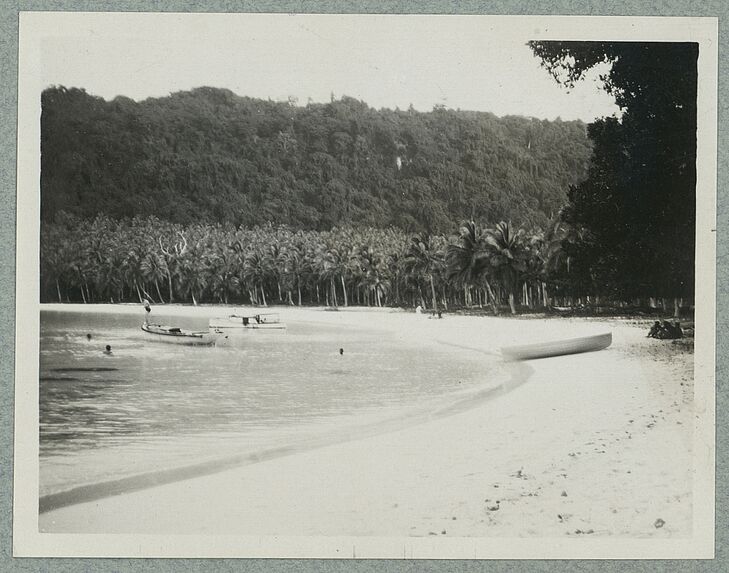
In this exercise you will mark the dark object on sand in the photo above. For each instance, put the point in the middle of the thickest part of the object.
(341, 351)
(107, 350)
(558, 347)
(88, 336)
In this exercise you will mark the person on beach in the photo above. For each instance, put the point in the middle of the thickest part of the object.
(677, 330)
(666, 332)
(418, 309)
(147, 309)
(655, 329)
(88, 336)
(107, 350)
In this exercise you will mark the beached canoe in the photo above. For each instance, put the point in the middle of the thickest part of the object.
(236, 322)
(175, 335)
(558, 347)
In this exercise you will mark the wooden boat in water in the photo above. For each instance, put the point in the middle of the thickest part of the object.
(176, 335)
(558, 347)
(266, 321)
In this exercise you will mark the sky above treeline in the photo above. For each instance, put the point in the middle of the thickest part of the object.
(387, 61)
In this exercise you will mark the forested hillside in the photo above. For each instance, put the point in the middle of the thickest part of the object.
(210, 156)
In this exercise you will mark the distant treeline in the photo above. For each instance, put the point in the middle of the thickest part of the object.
(107, 260)
(210, 156)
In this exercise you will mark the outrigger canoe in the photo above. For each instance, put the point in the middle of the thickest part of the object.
(268, 321)
(175, 335)
(558, 347)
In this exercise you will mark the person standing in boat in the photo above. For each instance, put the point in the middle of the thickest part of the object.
(147, 309)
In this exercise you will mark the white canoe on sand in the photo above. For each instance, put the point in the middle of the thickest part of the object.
(175, 335)
(558, 347)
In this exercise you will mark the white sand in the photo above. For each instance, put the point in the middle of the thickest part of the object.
(597, 444)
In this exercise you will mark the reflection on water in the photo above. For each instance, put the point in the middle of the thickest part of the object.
(150, 405)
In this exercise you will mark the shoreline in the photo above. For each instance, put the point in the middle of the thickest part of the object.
(612, 430)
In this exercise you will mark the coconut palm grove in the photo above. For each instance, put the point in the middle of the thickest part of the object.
(206, 196)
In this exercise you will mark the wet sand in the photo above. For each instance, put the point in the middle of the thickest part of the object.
(590, 445)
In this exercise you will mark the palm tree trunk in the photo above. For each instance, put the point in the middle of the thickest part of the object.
(676, 307)
(344, 288)
(149, 296)
(492, 298)
(169, 282)
(83, 296)
(263, 296)
(298, 287)
(511, 302)
(432, 290)
(156, 285)
(139, 294)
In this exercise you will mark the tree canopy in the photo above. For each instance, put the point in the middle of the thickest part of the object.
(208, 155)
(635, 213)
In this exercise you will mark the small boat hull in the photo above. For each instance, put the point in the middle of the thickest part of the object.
(558, 347)
(172, 335)
(236, 323)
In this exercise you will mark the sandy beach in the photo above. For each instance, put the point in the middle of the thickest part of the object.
(597, 444)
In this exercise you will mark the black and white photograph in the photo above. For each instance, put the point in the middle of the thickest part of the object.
(365, 286)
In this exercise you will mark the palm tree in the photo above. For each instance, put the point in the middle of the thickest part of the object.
(422, 258)
(370, 270)
(56, 256)
(332, 266)
(468, 261)
(256, 271)
(224, 271)
(172, 252)
(508, 255)
(154, 269)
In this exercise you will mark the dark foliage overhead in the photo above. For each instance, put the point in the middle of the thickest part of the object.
(211, 156)
(633, 218)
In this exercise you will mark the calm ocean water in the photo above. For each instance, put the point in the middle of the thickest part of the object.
(151, 406)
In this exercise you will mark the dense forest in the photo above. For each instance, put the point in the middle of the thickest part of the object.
(208, 196)
(208, 155)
